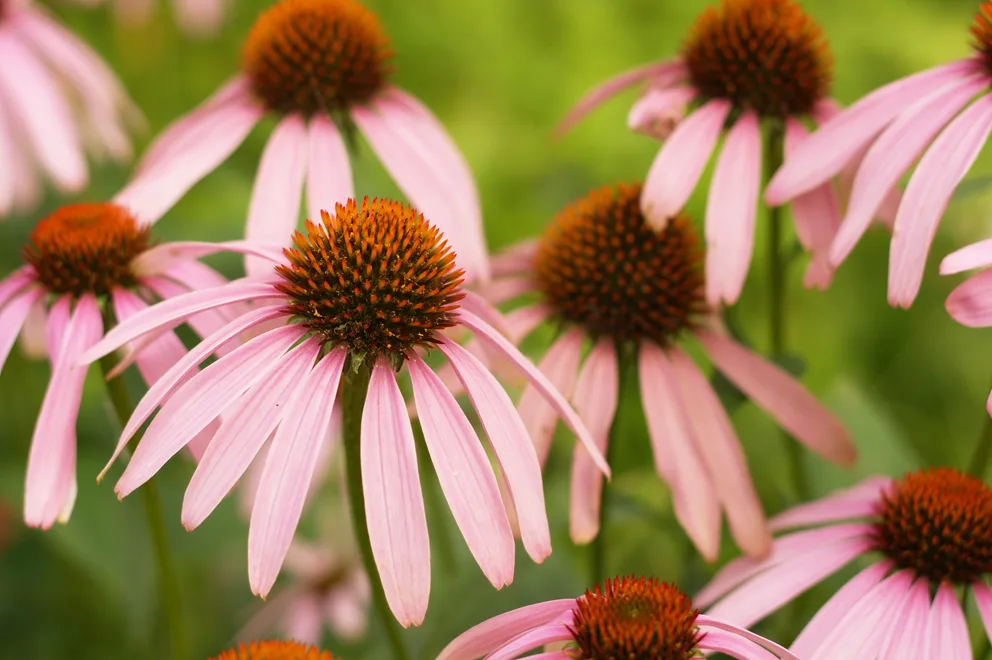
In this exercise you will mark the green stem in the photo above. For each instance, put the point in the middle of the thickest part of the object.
(167, 576)
(353, 392)
(778, 262)
(980, 459)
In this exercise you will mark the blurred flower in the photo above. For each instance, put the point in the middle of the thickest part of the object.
(970, 303)
(200, 18)
(895, 124)
(274, 651)
(745, 62)
(368, 288)
(612, 280)
(628, 618)
(322, 68)
(933, 529)
(88, 265)
(58, 100)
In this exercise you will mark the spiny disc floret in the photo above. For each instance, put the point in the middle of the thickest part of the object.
(375, 277)
(312, 56)
(601, 266)
(635, 619)
(981, 32)
(762, 55)
(938, 522)
(86, 248)
(275, 651)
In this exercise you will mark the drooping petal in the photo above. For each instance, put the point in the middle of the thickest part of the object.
(976, 255)
(518, 259)
(940, 170)
(907, 636)
(394, 502)
(329, 179)
(59, 316)
(595, 399)
(730, 211)
(707, 621)
(659, 111)
(32, 335)
(861, 501)
(12, 318)
(970, 303)
(784, 398)
(289, 467)
(465, 475)
(14, 283)
(489, 635)
(950, 625)
(162, 257)
(677, 167)
(734, 646)
(533, 639)
(524, 320)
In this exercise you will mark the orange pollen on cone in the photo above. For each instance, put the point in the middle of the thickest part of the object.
(937, 522)
(313, 56)
(377, 278)
(86, 248)
(635, 619)
(763, 55)
(981, 32)
(600, 265)
(274, 651)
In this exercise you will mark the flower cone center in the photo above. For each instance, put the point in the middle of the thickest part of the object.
(981, 32)
(938, 522)
(601, 266)
(275, 651)
(86, 248)
(377, 278)
(313, 56)
(635, 619)
(762, 55)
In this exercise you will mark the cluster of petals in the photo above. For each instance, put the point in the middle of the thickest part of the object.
(282, 384)
(58, 103)
(696, 450)
(882, 612)
(200, 18)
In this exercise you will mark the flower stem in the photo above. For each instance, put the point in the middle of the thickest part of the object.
(980, 459)
(353, 392)
(778, 262)
(167, 577)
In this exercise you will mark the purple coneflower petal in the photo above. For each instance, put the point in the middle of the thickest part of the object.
(465, 475)
(329, 179)
(707, 621)
(893, 152)
(950, 626)
(524, 320)
(734, 646)
(860, 501)
(658, 111)
(661, 74)
(201, 399)
(242, 433)
(976, 255)
(12, 318)
(731, 209)
(831, 147)
(906, 638)
(51, 475)
(502, 346)
(289, 466)
(506, 288)
(940, 170)
(394, 502)
(59, 316)
(32, 336)
(158, 356)
(675, 456)
(497, 631)
(595, 399)
(203, 324)
(677, 167)
(518, 259)
(13, 284)
(9, 160)
(511, 444)
(532, 639)
(161, 258)
(200, 17)
(784, 398)
(723, 456)
(970, 303)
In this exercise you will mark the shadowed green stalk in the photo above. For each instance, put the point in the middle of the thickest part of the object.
(980, 459)
(353, 392)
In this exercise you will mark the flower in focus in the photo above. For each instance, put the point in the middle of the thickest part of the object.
(58, 102)
(627, 618)
(200, 18)
(274, 651)
(744, 63)
(613, 282)
(322, 67)
(933, 530)
(360, 296)
(86, 266)
(929, 113)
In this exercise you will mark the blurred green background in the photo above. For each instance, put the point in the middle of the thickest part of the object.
(911, 385)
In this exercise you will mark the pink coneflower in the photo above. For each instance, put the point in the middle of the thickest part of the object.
(201, 18)
(933, 530)
(275, 650)
(626, 618)
(58, 101)
(322, 67)
(88, 265)
(362, 294)
(745, 63)
(614, 283)
(970, 304)
(896, 124)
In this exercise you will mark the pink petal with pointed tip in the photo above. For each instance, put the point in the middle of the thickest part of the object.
(394, 502)
(489, 635)
(976, 255)
(290, 465)
(329, 179)
(707, 621)
(595, 399)
(731, 209)
(12, 318)
(465, 475)
(677, 167)
(970, 303)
